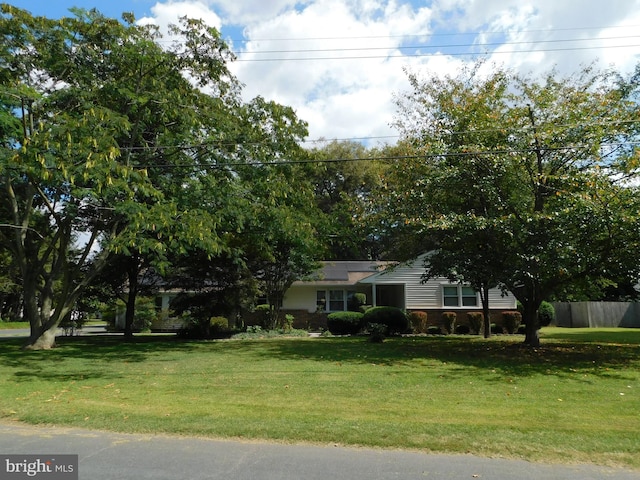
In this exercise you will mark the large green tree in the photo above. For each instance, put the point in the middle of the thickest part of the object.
(519, 182)
(107, 137)
(344, 175)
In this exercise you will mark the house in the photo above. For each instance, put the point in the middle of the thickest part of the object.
(384, 284)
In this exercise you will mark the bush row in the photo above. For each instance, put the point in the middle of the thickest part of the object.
(387, 321)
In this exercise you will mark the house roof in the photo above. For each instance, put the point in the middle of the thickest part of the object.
(343, 272)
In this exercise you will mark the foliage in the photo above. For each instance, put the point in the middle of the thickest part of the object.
(356, 302)
(264, 313)
(143, 148)
(511, 321)
(518, 182)
(393, 318)
(463, 329)
(218, 324)
(145, 314)
(345, 323)
(418, 320)
(377, 332)
(546, 314)
(342, 191)
(449, 320)
(476, 322)
(256, 332)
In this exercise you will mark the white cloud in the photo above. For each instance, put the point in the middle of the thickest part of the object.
(342, 96)
(164, 14)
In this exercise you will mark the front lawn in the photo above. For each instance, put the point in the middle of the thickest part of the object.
(575, 399)
(13, 325)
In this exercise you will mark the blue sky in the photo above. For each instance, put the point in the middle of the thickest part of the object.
(339, 62)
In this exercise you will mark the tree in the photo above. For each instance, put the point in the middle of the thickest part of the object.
(520, 183)
(344, 175)
(107, 135)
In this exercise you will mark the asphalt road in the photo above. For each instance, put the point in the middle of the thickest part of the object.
(113, 456)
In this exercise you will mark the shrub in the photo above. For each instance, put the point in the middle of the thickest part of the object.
(476, 322)
(433, 330)
(449, 321)
(145, 314)
(546, 314)
(264, 315)
(395, 319)
(356, 301)
(218, 324)
(463, 329)
(495, 329)
(511, 321)
(345, 323)
(376, 332)
(418, 321)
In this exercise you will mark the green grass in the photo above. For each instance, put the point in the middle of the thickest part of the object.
(575, 399)
(13, 325)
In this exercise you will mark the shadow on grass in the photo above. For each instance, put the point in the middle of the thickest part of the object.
(78, 351)
(562, 354)
(505, 357)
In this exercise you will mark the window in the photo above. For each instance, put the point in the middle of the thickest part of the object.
(321, 301)
(459, 296)
(333, 300)
(336, 300)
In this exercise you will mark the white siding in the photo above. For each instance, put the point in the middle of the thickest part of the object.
(428, 295)
(300, 298)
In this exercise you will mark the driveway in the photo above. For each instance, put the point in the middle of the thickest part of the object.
(114, 456)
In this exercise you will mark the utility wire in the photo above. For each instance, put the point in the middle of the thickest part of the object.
(431, 54)
(566, 126)
(202, 165)
(417, 47)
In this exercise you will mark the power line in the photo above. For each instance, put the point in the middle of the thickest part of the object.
(439, 155)
(430, 54)
(325, 140)
(417, 47)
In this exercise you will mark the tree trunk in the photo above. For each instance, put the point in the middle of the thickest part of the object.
(486, 319)
(131, 299)
(530, 318)
(45, 340)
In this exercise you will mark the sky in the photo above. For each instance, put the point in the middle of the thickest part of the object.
(340, 63)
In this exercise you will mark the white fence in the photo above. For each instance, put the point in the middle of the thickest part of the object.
(597, 314)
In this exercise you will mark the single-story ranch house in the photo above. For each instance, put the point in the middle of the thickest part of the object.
(384, 284)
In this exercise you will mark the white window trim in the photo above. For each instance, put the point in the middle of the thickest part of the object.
(327, 297)
(459, 288)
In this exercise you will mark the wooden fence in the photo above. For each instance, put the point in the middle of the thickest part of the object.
(597, 314)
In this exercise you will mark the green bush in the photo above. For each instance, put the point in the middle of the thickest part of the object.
(476, 322)
(418, 321)
(356, 301)
(345, 323)
(463, 329)
(218, 324)
(433, 330)
(395, 319)
(496, 329)
(264, 315)
(546, 314)
(511, 321)
(449, 321)
(376, 332)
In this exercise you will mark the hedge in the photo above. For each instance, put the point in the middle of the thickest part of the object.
(345, 323)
